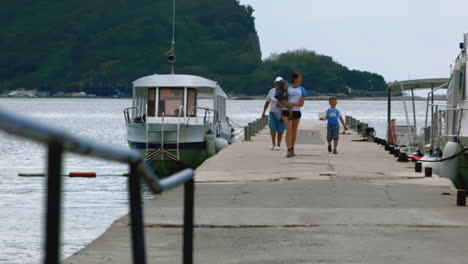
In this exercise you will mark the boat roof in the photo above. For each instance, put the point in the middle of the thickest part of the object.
(419, 84)
(204, 86)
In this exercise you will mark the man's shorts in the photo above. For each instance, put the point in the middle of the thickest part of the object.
(295, 114)
(275, 124)
(333, 132)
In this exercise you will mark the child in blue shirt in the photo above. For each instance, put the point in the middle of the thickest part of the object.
(333, 114)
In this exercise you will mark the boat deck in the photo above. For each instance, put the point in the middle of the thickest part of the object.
(253, 205)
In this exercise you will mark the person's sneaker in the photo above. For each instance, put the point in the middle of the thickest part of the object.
(329, 148)
(278, 148)
(292, 152)
(288, 155)
(272, 147)
(335, 152)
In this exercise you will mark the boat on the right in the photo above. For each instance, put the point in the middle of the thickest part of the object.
(444, 137)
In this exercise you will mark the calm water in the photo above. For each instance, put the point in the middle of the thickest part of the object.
(91, 205)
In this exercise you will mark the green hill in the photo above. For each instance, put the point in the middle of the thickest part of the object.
(95, 46)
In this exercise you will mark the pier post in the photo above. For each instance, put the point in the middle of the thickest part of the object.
(461, 197)
(138, 234)
(53, 215)
(396, 152)
(246, 133)
(418, 167)
(427, 172)
(189, 201)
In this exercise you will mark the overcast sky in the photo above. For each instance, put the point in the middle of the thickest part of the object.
(397, 39)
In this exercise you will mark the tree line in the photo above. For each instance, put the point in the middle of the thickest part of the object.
(101, 46)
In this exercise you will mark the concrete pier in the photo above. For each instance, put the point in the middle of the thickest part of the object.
(254, 205)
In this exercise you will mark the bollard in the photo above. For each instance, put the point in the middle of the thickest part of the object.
(461, 197)
(246, 133)
(403, 157)
(251, 131)
(348, 120)
(363, 127)
(418, 167)
(427, 172)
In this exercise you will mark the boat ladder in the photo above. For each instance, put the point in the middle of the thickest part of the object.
(163, 154)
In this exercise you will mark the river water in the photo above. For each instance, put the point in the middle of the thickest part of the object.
(91, 205)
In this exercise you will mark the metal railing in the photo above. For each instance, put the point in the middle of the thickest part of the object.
(210, 116)
(448, 122)
(130, 118)
(59, 142)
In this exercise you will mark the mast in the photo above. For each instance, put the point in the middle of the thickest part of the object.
(171, 53)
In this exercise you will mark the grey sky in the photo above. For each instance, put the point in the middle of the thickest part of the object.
(394, 38)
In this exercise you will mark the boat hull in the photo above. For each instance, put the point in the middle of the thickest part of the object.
(189, 158)
(190, 152)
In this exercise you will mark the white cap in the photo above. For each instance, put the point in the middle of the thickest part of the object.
(279, 78)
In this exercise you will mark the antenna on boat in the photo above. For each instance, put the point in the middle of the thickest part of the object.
(171, 53)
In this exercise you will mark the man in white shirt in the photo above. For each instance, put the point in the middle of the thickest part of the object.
(275, 121)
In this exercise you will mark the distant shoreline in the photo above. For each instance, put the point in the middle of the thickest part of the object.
(251, 97)
(318, 98)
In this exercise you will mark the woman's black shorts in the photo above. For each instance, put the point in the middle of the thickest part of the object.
(295, 114)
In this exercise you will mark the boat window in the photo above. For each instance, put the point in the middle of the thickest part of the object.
(191, 102)
(461, 84)
(221, 106)
(170, 99)
(151, 101)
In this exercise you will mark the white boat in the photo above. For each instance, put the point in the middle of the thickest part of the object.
(168, 126)
(450, 123)
(448, 129)
(177, 121)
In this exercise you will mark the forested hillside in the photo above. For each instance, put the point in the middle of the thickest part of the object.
(97, 46)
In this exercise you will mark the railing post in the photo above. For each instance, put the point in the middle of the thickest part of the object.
(246, 133)
(189, 200)
(54, 172)
(138, 235)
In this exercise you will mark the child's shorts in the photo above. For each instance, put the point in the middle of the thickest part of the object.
(333, 132)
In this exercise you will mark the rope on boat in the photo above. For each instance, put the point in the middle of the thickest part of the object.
(448, 158)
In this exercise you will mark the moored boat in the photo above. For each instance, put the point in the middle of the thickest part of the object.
(168, 125)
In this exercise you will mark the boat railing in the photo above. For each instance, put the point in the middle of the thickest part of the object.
(209, 117)
(181, 109)
(132, 118)
(448, 122)
(163, 115)
(58, 142)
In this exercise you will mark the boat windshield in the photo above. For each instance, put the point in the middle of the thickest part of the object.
(170, 100)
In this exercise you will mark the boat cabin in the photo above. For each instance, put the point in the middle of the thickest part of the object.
(175, 96)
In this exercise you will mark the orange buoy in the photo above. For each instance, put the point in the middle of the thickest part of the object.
(82, 174)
